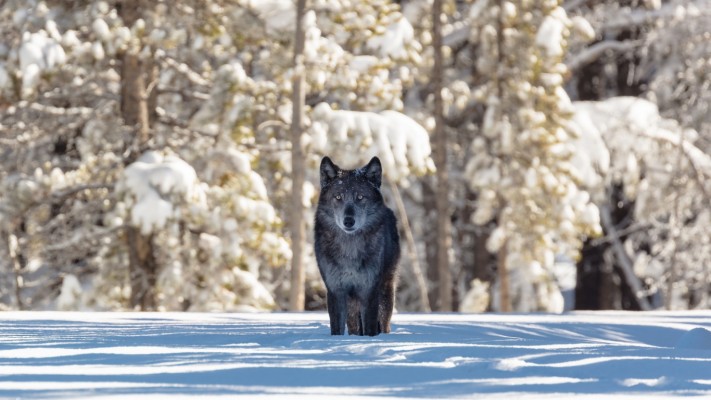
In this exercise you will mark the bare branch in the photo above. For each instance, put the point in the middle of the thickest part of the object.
(624, 259)
(609, 238)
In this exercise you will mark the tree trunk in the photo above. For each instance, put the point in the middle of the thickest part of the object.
(444, 224)
(502, 270)
(504, 290)
(134, 105)
(12, 251)
(135, 112)
(143, 270)
(429, 236)
(296, 217)
(412, 250)
(134, 77)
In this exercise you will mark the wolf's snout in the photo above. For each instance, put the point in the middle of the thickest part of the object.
(349, 216)
(348, 222)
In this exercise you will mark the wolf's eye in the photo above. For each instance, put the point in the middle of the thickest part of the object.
(360, 197)
(338, 197)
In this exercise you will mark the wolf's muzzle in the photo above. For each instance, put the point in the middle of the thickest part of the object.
(348, 222)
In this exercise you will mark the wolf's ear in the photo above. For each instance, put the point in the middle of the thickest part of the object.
(374, 172)
(329, 171)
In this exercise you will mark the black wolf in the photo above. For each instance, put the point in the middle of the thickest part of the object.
(357, 248)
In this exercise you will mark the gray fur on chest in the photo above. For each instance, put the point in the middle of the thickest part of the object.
(352, 248)
(356, 268)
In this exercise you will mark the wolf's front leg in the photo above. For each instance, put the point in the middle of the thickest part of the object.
(369, 314)
(354, 325)
(337, 312)
(387, 303)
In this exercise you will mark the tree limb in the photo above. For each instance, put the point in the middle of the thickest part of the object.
(592, 53)
(412, 247)
(639, 16)
(698, 160)
(624, 260)
(63, 195)
(51, 110)
(183, 68)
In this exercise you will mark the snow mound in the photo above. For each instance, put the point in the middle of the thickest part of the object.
(156, 183)
(279, 15)
(38, 53)
(353, 137)
(550, 36)
(393, 42)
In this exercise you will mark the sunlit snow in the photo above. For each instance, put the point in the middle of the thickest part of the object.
(167, 355)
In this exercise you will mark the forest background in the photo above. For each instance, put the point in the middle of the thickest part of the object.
(540, 155)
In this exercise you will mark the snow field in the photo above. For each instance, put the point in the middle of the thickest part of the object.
(168, 355)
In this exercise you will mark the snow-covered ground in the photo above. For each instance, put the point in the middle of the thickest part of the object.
(282, 355)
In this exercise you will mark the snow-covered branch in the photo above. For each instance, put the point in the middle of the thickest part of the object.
(181, 126)
(63, 195)
(639, 17)
(457, 36)
(57, 111)
(571, 5)
(592, 53)
(183, 68)
(699, 161)
(79, 238)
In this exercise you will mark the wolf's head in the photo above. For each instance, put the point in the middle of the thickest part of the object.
(351, 197)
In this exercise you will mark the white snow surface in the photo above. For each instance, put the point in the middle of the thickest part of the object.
(618, 355)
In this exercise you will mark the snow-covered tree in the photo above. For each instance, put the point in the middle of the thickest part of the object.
(83, 193)
(521, 163)
(663, 47)
(159, 132)
(215, 87)
(663, 249)
(675, 61)
(655, 50)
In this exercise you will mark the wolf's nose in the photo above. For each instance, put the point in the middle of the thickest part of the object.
(348, 222)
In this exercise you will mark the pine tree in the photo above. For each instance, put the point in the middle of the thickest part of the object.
(521, 166)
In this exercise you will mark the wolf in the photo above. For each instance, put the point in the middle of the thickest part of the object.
(357, 248)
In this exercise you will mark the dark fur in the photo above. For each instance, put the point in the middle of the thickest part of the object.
(357, 249)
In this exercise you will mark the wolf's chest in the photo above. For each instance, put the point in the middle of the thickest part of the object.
(355, 260)
(355, 251)
(353, 273)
